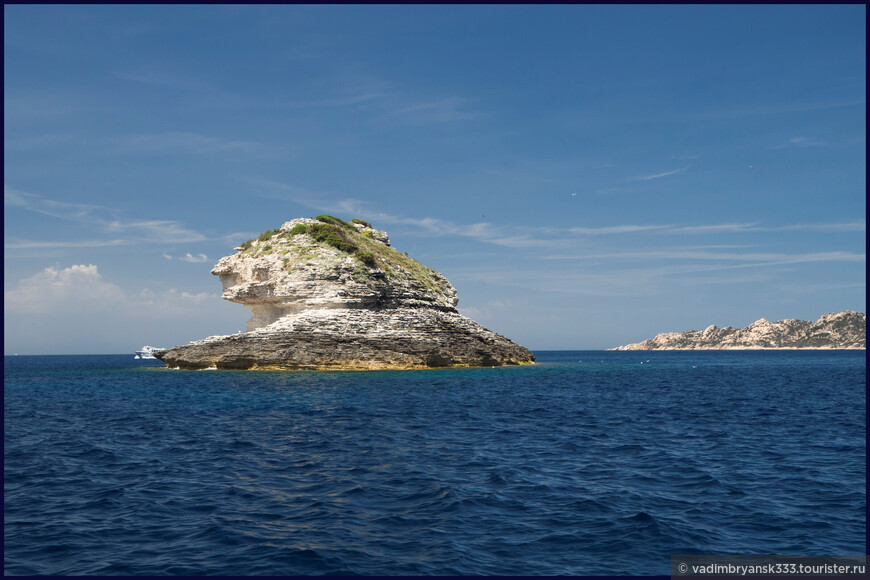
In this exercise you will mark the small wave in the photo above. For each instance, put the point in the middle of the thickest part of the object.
(639, 517)
(96, 454)
(496, 478)
(242, 444)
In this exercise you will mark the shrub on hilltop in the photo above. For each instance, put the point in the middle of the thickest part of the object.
(267, 234)
(331, 219)
(332, 235)
(346, 238)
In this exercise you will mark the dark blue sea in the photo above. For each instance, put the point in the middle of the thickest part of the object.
(600, 467)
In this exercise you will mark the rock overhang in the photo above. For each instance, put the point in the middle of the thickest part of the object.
(349, 277)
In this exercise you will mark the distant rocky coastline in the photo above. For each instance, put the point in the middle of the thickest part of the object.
(836, 330)
(326, 294)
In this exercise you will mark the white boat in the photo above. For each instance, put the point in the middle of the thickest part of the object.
(147, 351)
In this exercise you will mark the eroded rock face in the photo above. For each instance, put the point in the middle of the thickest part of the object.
(349, 301)
(355, 339)
(836, 330)
(289, 274)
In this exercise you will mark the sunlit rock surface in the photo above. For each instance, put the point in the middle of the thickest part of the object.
(836, 330)
(327, 294)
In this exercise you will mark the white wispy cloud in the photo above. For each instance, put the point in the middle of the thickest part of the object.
(433, 112)
(59, 244)
(194, 259)
(644, 273)
(99, 218)
(42, 105)
(150, 296)
(821, 287)
(761, 258)
(543, 237)
(526, 236)
(165, 79)
(856, 226)
(191, 93)
(50, 207)
(634, 282)
(800, 142)
(344, 94)
(728, 228)
(658, 175)
(611, 230)
(385, 100)
(15, 198)
(779, 109)
(163, 231)
(176, 142)
(510, 235)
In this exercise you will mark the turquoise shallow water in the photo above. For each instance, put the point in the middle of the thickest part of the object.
(606, 466)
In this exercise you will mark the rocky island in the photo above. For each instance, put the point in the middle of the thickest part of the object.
(836, 330)
(326, 294)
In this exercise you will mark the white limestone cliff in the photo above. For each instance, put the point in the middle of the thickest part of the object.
(287, 274)
(835, 330)
(324, 293)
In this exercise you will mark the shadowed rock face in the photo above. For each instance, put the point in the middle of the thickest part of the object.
(325, 294)
(836, 330)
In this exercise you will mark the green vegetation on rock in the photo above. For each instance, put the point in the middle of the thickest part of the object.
(366, 258)
(332, 235)
(361, 275)
(388, 259)
(267, 234)
(331, 219)
(342, 236)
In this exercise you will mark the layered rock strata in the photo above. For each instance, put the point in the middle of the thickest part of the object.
(327, 294)
(836, 330)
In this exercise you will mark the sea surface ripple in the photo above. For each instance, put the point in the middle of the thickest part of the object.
(601, 467)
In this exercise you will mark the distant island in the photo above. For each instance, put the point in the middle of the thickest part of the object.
(326, 294)
(836, 330)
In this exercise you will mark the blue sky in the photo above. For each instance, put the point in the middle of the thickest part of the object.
(586, 176)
